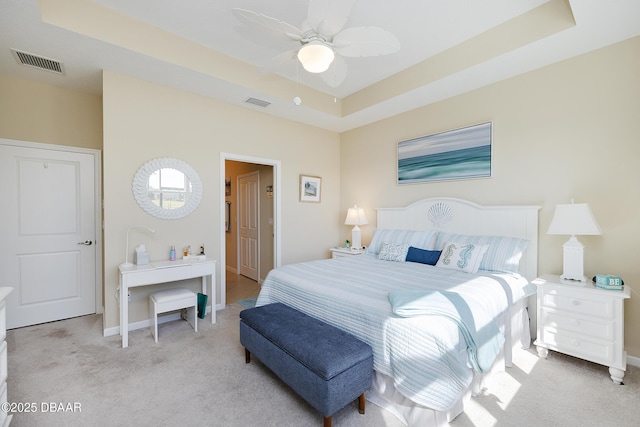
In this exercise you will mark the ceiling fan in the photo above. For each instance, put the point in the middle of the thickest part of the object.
(323, 40)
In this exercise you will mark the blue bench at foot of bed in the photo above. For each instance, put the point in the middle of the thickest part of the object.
(327, 367)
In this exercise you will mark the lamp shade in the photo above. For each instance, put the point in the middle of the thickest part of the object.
(315, 56)
(574, 219)
(356, 216)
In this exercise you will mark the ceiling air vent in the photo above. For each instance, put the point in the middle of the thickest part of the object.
(258, 102)
(40, 62)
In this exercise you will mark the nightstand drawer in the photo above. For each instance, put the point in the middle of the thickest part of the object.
(591, 306)
(593, 350)
(602, 329)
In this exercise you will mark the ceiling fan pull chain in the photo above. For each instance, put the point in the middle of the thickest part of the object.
(297, 100)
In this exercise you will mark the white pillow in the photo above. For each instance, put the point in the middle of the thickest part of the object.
(391, 252)
(462, 256)
(423, 239)
(503, 254)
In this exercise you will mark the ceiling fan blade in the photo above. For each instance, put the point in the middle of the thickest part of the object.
(328, 17)
(253, 19)
(365, 41)
(336, 73)
(280, 62)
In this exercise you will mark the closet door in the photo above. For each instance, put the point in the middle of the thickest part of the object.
(47, 230)
(248, 208)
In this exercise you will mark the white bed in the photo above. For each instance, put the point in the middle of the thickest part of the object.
(424, 362)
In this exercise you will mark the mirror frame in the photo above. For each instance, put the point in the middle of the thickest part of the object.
(140, 187)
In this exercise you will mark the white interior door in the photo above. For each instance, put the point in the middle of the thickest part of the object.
(47, 230)
(248, 211)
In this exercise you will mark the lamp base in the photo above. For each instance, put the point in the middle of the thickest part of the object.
(356, 238)
(573, 260)
(581, 280)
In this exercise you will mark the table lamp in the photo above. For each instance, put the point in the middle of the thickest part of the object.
(356, 217)
(573, 219)
(126, 254)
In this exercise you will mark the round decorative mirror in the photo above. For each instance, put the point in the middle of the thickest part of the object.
(167, 188)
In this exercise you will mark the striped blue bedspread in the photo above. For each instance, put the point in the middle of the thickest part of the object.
(483, 343)
(425, 355)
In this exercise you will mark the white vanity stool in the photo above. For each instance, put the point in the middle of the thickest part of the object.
(169, 300)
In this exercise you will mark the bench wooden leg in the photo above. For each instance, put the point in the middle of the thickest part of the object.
(361, 403)
(247, 356)
(327, 421)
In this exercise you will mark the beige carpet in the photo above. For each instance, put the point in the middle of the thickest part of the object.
(200, 379)
(187, 379)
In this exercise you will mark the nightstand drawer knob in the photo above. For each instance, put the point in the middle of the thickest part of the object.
(576, 322)
(576, 302)
(575, 343)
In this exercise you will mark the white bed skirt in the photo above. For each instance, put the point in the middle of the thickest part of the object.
(383, 392)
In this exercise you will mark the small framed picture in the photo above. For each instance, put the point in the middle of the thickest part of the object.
(227, 186)
(310, 188)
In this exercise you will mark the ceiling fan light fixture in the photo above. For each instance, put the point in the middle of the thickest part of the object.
(316, 57)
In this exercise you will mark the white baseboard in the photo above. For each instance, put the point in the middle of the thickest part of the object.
(633, 361)
(163, 318)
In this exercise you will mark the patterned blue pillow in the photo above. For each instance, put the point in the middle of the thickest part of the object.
(462, 256)
(391, 252)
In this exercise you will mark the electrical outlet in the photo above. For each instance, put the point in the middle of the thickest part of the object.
(128, 295)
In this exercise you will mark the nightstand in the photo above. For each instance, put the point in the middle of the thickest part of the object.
(581, 320)
(343, 252)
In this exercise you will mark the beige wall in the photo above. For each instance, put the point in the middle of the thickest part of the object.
(143, 120)
(570, 130)
(43, 113)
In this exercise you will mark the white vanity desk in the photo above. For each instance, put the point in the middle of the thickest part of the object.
(161, 272)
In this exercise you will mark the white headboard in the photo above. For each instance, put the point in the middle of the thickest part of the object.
(463, 217)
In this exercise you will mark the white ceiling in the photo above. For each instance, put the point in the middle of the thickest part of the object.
(424, 27)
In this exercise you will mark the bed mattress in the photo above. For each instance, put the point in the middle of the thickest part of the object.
(426, 355)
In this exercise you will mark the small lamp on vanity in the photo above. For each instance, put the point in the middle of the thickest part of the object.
(356, 217)
(126, 262)
(573, 219)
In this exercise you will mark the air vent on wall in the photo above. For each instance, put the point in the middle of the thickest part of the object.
(258, 102)
(36, 61)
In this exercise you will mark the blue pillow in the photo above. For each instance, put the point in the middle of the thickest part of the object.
(423, 256)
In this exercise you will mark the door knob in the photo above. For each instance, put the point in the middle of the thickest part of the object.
(86, 243)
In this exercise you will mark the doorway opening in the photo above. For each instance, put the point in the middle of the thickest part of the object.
(232, 166)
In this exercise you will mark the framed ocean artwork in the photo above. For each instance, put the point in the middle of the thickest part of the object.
(456, 154)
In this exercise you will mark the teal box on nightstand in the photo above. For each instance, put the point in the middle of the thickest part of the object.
(608, 281)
